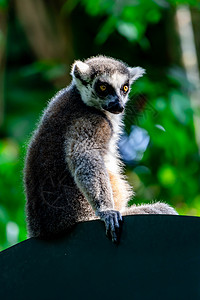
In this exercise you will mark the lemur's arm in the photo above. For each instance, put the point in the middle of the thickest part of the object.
(87, 167)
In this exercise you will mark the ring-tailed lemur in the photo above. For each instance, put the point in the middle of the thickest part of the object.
(73, 170)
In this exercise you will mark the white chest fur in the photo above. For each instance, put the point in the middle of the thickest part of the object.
(111, 158)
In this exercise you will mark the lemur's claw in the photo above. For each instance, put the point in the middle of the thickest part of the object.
(113, 221)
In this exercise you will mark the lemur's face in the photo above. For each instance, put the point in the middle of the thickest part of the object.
(112, 92)
(104, 83)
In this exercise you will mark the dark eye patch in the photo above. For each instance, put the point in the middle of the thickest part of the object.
(103, 89)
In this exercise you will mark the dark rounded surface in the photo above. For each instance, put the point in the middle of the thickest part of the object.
(158, 258)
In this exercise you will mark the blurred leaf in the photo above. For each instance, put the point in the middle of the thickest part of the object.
(69, 6)
(178, 75)
(153, 16)
(181, 107)
(3, 215)
(2, 39)
(9, 151)
(49, 69)
(107, 28)
(167, 176)
(160, 104)
(186, 2)
(12, 232)
(3, 4)
(160, 127)
(128, 30)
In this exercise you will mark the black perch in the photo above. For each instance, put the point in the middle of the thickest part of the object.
(158, 258)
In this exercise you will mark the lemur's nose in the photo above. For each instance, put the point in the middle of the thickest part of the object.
(116, 106)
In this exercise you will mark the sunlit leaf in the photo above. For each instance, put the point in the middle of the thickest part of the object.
(160, 127)
(9, 151)
(128, 30)
(167, 176)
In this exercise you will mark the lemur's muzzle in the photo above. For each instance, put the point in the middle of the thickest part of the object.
(115, 106)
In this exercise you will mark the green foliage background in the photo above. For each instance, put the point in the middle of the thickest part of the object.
(137, 32)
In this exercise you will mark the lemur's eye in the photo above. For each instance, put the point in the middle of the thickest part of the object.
(102, 87)
(125, 88)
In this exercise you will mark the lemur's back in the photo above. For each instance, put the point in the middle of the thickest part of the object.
(50, 188)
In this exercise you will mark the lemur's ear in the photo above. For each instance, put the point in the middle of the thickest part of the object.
(136, 73)
(80, 70)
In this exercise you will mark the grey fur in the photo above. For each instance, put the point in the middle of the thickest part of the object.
(73, 171)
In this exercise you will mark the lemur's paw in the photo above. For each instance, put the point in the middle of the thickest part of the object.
(113, 222)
